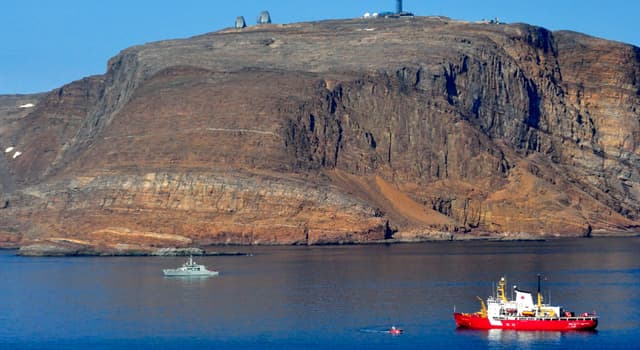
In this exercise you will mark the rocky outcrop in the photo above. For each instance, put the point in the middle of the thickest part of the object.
(66, 247)
(333, 132)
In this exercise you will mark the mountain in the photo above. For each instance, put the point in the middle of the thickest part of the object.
(344, 131)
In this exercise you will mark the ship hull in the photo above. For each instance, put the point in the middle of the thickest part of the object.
(474, 321)
(180, 273)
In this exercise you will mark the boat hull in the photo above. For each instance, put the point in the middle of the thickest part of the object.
(177, 273)
(475, 321)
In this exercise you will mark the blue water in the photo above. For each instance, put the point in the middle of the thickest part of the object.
(341, 297)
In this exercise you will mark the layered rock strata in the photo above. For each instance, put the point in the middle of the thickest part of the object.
(331, 132)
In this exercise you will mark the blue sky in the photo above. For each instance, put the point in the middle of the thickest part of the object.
(45, 44)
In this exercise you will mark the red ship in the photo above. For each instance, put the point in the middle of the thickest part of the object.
(522, 314)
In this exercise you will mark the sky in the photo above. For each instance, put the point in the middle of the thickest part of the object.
(45, 44)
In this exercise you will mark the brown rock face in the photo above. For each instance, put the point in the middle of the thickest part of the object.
(329, 132)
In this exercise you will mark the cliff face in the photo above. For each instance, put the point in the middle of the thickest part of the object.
(337, 131)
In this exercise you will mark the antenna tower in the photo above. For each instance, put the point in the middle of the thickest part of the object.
(398, 7)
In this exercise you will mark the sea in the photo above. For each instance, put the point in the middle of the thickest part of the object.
(318, 297)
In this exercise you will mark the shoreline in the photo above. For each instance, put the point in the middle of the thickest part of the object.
(49, 249)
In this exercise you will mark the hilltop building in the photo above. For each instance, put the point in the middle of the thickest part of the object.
(240, 23)
(264, 18)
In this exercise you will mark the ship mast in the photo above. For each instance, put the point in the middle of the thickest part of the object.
(501, 286)
(539, 295)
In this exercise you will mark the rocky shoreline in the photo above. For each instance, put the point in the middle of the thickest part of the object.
(60, 248)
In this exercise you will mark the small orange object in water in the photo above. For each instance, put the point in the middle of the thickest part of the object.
(395, 330)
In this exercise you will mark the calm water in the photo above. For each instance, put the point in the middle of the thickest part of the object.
(317, 297)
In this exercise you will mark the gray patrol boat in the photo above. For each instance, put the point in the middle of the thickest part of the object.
(190, 268)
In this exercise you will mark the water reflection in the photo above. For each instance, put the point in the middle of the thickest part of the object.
(521, 337)
(498, 338)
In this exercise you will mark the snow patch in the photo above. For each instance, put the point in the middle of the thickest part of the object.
(27, 105)
(9, 149)
(16, 155)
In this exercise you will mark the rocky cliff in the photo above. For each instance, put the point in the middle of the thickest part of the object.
(330, 132)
